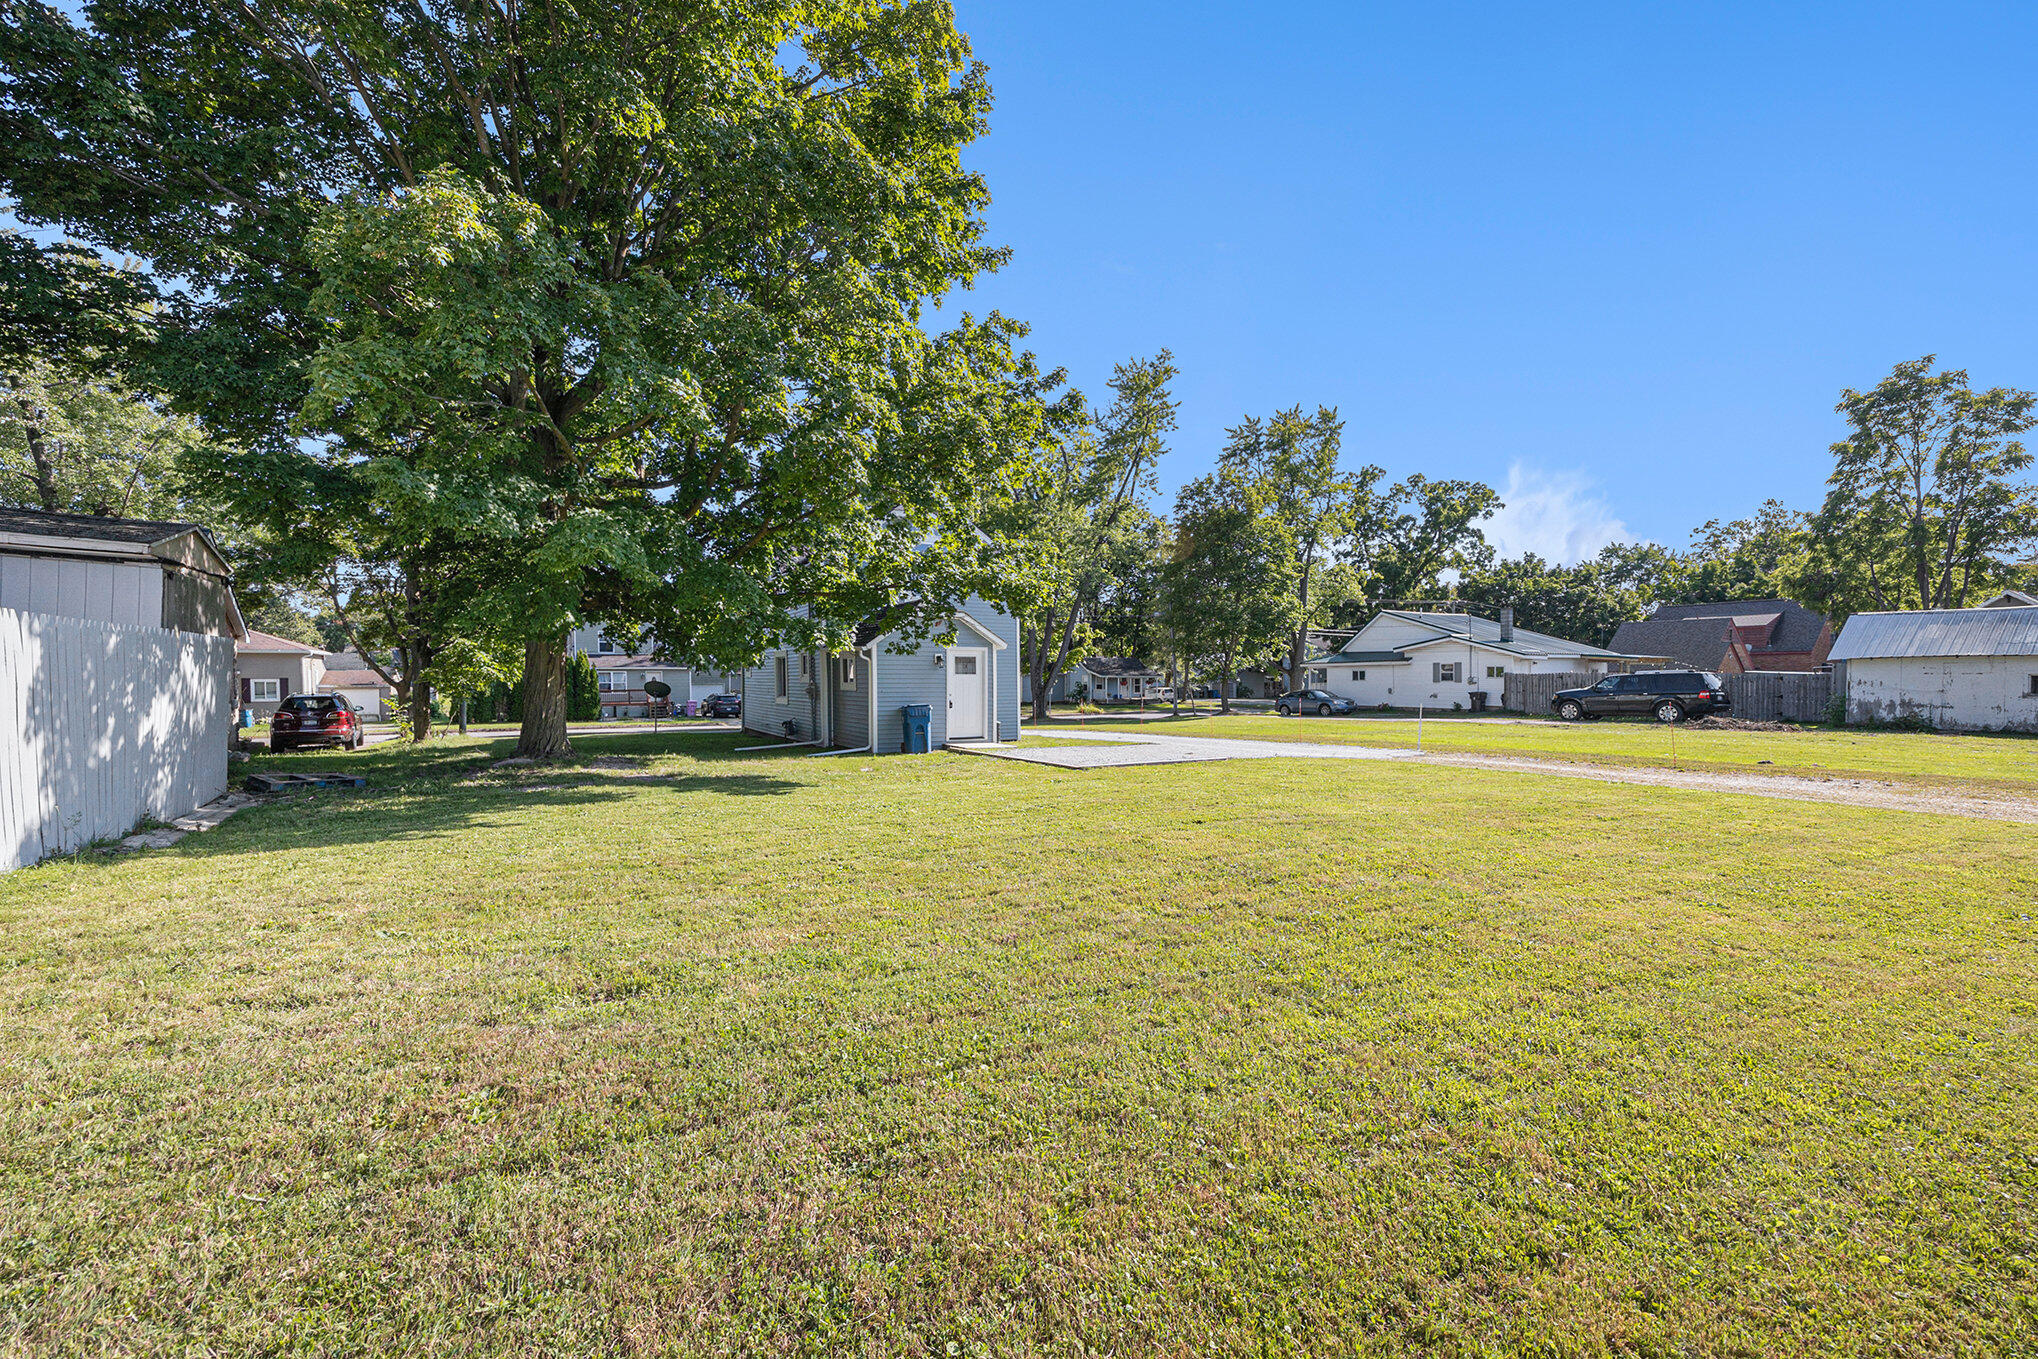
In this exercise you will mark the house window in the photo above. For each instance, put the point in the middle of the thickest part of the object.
(1446, 672)
(1496, 672)
(610, 679)
(1319, 677)
(608, 647)
(2034, 685)
(1358, 674)
(780, 686)
(848, 677)
(271, 691)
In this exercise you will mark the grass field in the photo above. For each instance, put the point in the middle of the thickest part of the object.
(934, 1056)
(2009, 763)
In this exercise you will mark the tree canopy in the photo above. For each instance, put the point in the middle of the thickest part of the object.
(625, 297)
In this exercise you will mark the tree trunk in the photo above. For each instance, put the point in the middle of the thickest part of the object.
(39, 454)
(1225, 684)
(543, 734)
(420, 711)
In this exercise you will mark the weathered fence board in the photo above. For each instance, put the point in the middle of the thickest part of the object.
(1781, 695)
(1524, 693)
(1758, 696)
(103, 724)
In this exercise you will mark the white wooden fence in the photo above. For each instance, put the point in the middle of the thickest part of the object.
(102, 725)
(1758, 695)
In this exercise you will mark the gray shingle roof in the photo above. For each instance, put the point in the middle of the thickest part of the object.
(1118, 665)
(1939, 632)
(1798, 629)
(1360, 657)
(43, 523)
(1702, 643)
(1485, 631)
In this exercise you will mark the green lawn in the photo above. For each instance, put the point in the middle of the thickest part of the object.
(937, 1056)
(2009, 763)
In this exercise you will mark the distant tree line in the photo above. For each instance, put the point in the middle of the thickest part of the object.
(1928, 506)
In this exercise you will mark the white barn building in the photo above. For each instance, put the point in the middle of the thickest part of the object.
(1959, 669)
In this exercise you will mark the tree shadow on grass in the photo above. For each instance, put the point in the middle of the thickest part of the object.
(443, 788)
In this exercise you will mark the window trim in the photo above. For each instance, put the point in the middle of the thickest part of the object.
(845, 674)
(781, 677)
(255, 694)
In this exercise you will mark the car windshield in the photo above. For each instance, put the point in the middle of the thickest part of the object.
(1606, 685)
(1713, 681)
(303, 704)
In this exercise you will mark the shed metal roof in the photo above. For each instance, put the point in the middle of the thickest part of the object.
(1939, 632)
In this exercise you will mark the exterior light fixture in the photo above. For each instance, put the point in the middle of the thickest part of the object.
(940, 659)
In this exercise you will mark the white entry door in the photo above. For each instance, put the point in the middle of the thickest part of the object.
(967, 693)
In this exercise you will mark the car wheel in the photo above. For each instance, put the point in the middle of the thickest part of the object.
(1323, 710)
(1281, 709)
(277, 745)
(1666, 711)
(1570, 711)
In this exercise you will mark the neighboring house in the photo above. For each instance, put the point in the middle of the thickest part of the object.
(621, 675)
(2011, 599)
(116, 665)
(1405, 657)
(1731, 638)
(1105, 679)
(1960, 669)
(348, 673)
(970, 684)
(1259, 682)
(269, 669)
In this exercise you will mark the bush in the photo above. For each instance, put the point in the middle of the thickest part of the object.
(1836, 711)
(583, 690)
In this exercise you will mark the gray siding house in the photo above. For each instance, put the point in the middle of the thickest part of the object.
(969, 681)
(269, 669)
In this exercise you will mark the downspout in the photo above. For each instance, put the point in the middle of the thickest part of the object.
(869, 747)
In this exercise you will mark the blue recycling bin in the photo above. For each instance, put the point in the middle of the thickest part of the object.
(247, 717)
(919, 721)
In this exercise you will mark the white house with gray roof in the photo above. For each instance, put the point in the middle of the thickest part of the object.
(1403, 658)
(1958, 669)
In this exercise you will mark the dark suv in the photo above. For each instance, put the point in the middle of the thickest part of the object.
(1666, 695)
(722, 705)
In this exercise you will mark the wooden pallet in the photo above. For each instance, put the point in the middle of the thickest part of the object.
(290, 783)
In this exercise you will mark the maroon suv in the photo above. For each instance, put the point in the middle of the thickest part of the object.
(316, 720)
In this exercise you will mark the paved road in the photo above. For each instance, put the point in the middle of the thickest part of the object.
(1105, 750)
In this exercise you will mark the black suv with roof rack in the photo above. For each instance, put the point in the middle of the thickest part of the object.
(1666, 695)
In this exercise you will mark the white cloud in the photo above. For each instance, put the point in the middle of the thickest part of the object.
(1555, 515)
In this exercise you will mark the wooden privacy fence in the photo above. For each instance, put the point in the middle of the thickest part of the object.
(1759, 695)
(1781, 695)
(103, 724)
(1532, 693)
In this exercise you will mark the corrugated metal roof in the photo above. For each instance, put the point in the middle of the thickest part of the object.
(1939, 632)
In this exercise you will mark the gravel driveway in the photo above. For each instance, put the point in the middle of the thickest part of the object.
(1121, 748)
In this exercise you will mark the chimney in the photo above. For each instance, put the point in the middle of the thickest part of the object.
(1507, 625)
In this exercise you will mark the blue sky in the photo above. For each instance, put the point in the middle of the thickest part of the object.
(1616, 260)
